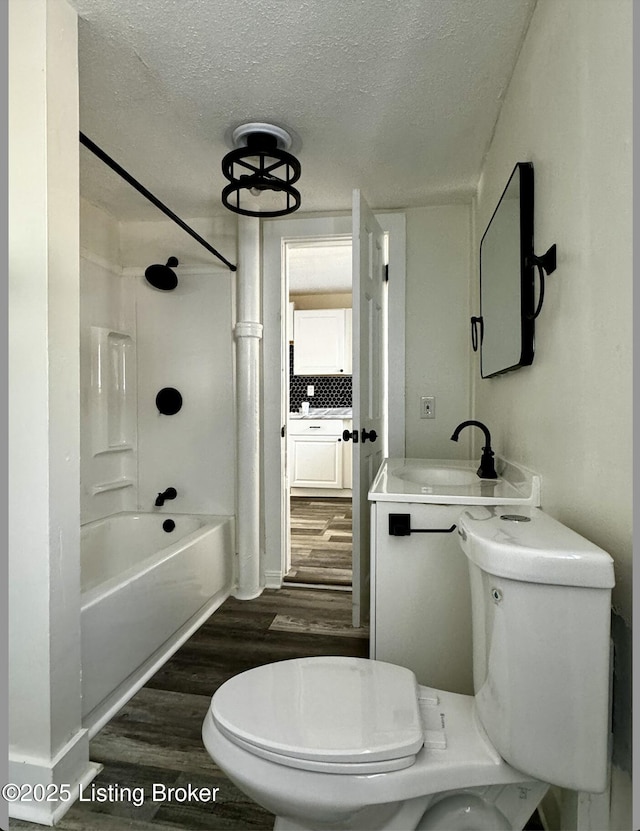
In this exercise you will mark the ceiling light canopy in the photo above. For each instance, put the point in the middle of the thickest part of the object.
(261, 172)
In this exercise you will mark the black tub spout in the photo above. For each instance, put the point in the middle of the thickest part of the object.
(170, 493)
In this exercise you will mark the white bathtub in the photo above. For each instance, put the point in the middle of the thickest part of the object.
(144, 592)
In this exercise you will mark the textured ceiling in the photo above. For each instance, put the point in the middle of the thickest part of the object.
(319, 267)
(396, 97)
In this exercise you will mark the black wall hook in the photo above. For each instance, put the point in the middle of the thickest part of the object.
(475, 340)
(546, 264)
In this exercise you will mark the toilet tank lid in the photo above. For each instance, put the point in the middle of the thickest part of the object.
(524, 543)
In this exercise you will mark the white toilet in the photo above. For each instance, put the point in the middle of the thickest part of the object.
(350, 743)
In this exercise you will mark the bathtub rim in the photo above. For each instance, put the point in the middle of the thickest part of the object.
(107, 587)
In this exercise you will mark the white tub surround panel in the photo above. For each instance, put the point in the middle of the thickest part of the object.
(248, 334)
(108, 389)
(109, 435)
(47, 744)
(112, 385)
(184, 340)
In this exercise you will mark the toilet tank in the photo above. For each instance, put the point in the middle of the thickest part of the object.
(541, 609)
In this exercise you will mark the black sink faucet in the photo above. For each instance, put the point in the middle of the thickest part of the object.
(487, 469)
(170, 493)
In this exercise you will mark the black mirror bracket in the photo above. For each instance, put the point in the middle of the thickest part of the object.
(546, 264)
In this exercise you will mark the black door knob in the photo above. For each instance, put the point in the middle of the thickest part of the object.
(346, 435)
(371, 435)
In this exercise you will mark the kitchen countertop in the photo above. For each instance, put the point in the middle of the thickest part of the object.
(326, 412)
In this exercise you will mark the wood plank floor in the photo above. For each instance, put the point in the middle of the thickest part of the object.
(321, 541)
(156, 737)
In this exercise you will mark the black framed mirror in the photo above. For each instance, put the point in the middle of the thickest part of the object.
(505, 328)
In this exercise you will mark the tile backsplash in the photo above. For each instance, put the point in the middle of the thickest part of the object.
(329, 390)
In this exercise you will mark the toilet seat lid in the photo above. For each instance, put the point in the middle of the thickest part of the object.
(324, 709)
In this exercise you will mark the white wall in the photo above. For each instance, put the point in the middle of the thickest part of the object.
(106, 300)
(146, 242)
(568, 416)
(437, 329)
(47, 743)
(568, 110)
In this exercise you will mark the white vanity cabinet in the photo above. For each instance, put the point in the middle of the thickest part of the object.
(420, 595)
(421, 602)
(322, 342)
(318, 457)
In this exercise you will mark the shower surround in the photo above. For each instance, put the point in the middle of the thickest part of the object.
(144, 589)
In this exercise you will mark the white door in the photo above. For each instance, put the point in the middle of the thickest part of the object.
(285, 512)
(275, 355)
(368, 389)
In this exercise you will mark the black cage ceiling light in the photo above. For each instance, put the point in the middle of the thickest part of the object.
(261, 172)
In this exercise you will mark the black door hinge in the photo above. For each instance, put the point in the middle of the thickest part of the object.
(386, 273)
(282, 431)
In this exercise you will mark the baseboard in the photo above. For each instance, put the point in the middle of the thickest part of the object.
(334, 587)
(273, 579)
(322, 492)
(70, 768)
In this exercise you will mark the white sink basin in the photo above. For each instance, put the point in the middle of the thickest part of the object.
(453, 482)
(436, 476)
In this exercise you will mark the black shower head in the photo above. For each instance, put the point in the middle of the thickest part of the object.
(161, 276)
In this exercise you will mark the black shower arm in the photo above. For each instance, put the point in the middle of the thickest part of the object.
(97, 151)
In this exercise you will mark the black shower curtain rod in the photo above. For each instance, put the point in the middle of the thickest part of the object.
(90, 145)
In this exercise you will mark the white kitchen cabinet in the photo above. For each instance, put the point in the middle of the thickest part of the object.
(421, 602)
(316, 462)
(318, 457)
(322, 342)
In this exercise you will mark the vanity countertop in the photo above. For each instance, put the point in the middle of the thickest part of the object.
(325, 412)
(453, 482)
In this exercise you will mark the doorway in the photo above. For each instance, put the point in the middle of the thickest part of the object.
(318, 475)
(275, 364)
